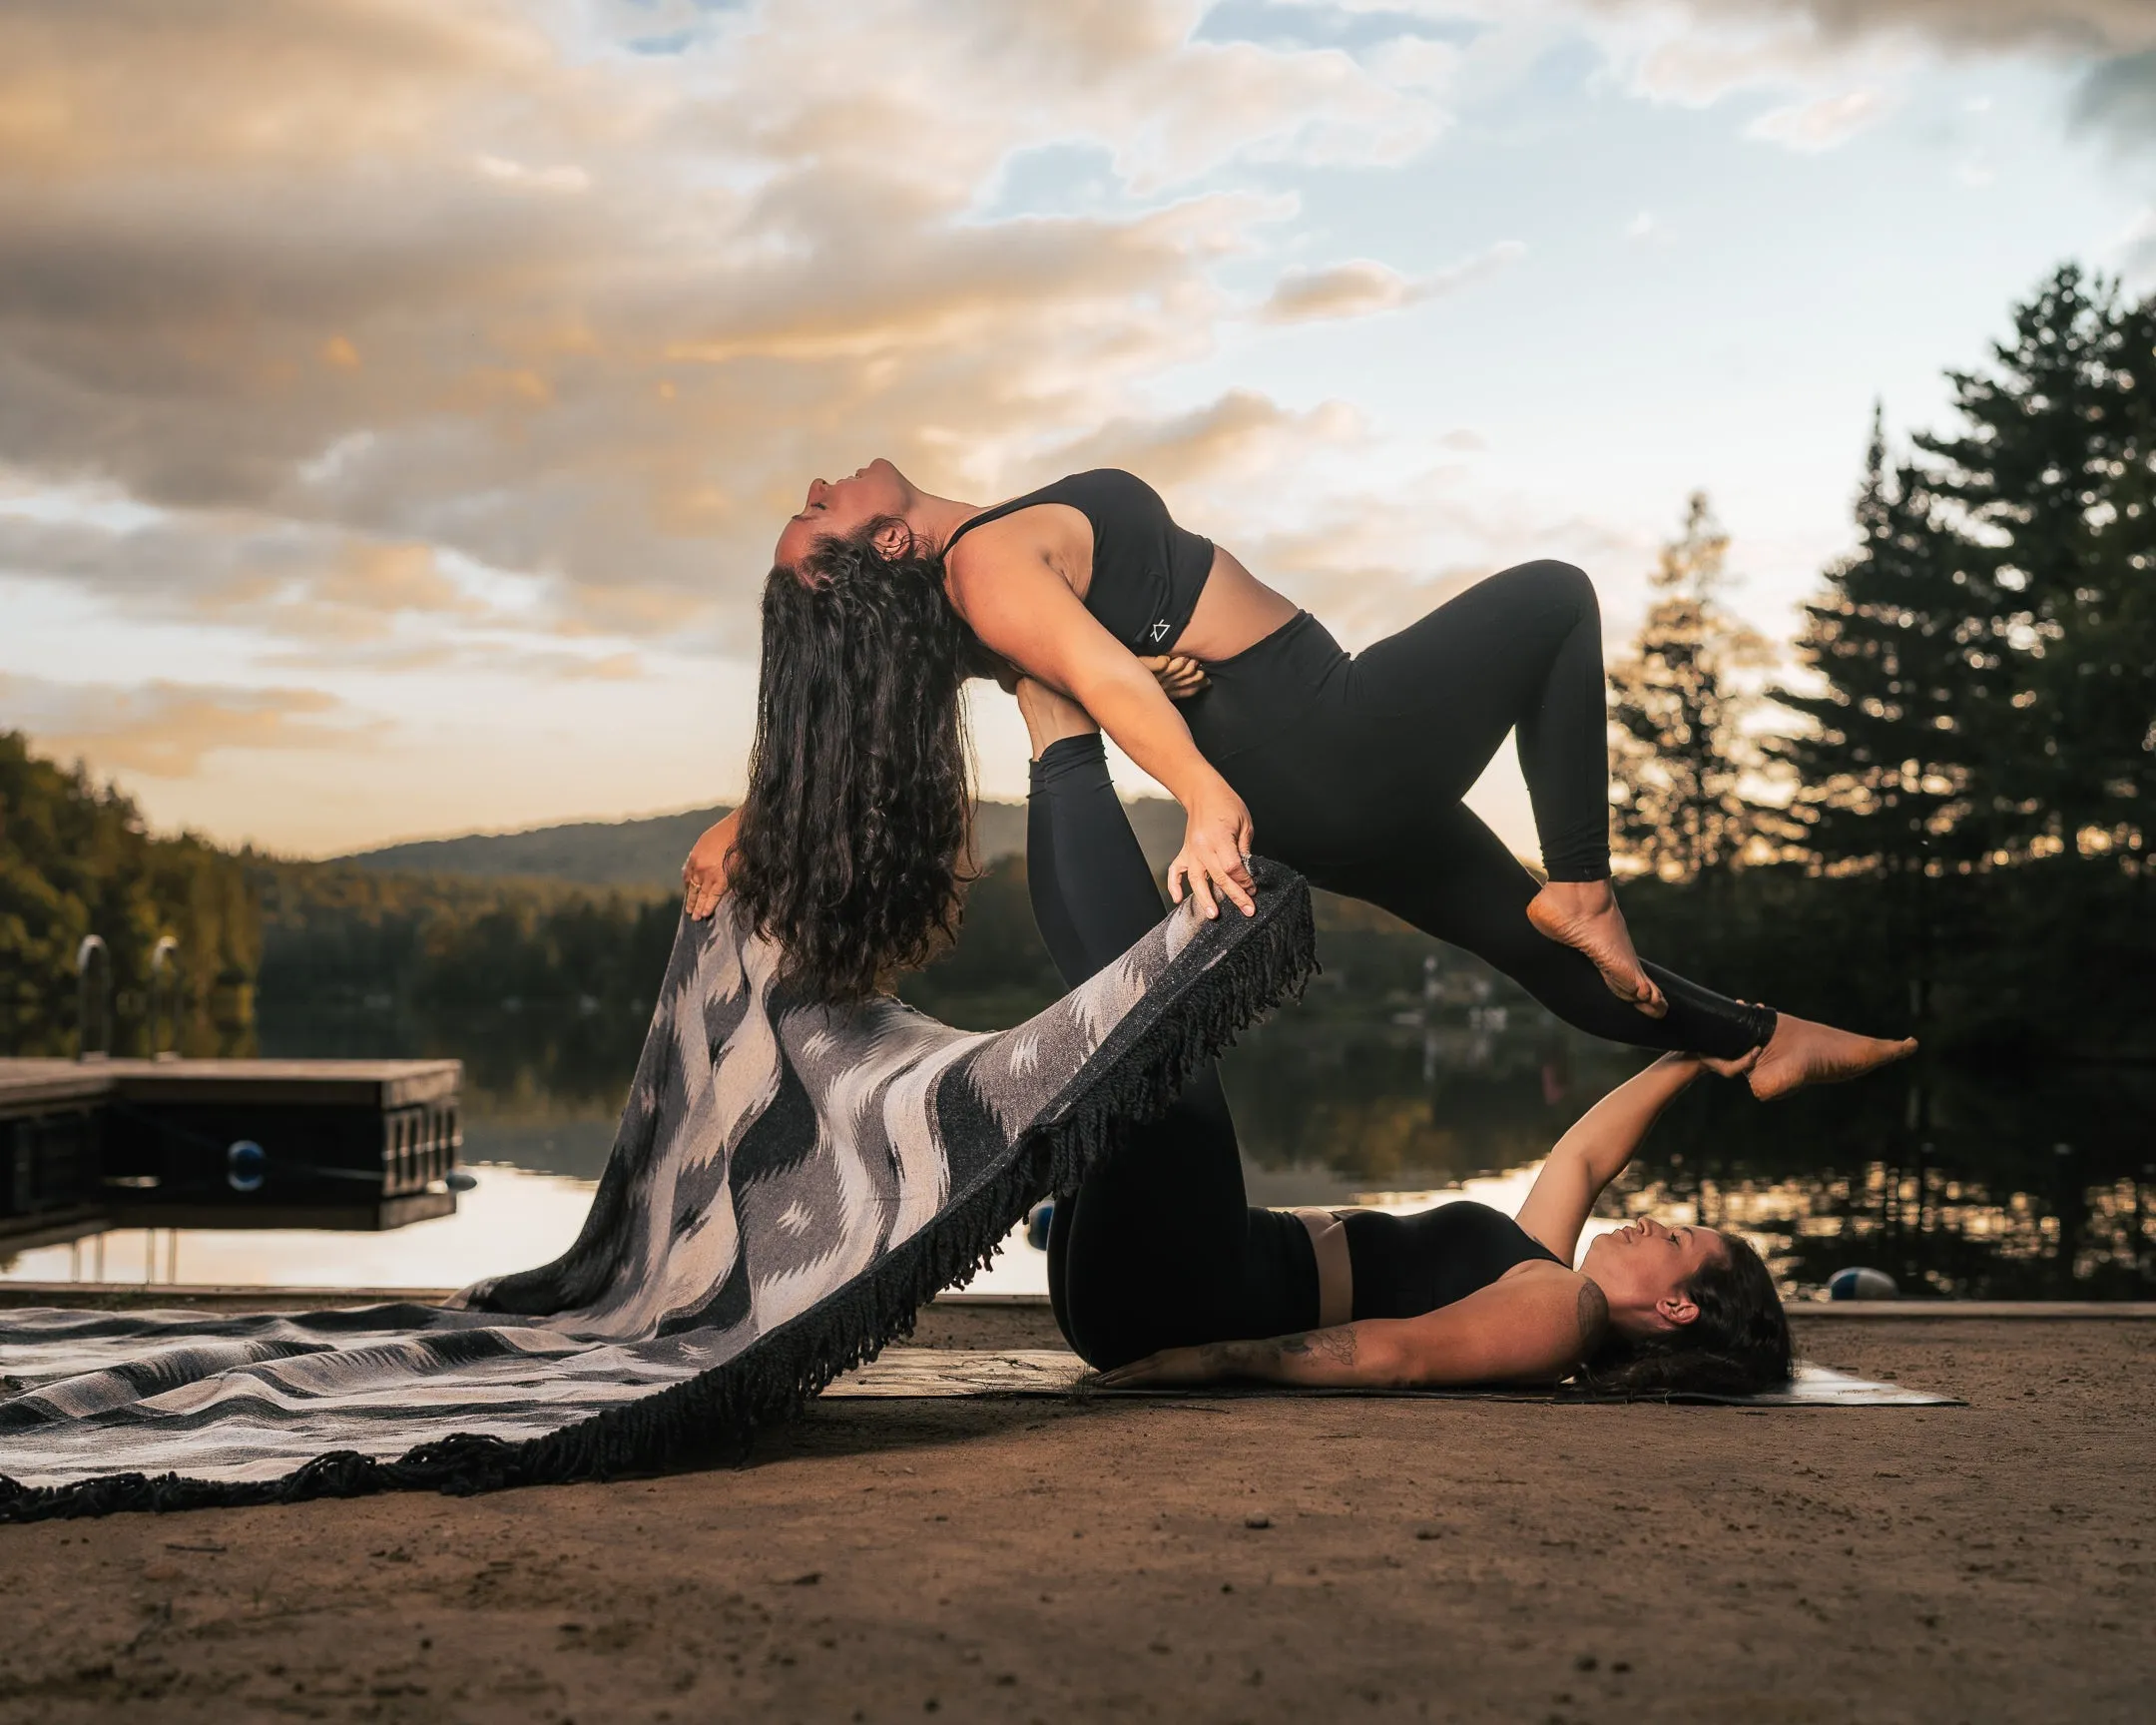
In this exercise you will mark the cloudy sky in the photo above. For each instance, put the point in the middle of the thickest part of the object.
(398, 398)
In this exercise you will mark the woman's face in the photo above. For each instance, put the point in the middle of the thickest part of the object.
(1643, 1269)
(838, 506)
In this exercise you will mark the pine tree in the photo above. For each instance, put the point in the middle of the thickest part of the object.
(1902, 644)
(2053, 455)
(1679, 712)
(2101, 681)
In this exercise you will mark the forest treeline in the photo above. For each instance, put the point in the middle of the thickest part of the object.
(1939, 821)
(76, 860)
(255, 934)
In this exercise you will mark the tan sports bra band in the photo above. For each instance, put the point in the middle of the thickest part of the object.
(1335, 1270)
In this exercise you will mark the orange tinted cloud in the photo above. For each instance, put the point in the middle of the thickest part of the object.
(1240, 435)
(399, 341)
(1360, 287)
(165, 730)
(407, 274)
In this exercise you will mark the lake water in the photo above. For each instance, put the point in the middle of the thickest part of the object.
(1992, 1184)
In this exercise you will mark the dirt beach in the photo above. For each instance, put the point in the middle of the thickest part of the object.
(1196, 1561)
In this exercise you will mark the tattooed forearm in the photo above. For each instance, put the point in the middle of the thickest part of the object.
(1282, 1359)
(1593, 1317)
(1336, 1345)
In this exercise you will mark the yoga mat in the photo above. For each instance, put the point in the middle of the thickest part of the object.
(906, 1374)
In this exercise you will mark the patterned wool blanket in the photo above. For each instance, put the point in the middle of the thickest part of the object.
(790, 1183)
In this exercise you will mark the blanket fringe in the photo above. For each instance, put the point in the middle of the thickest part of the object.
(716, 1415)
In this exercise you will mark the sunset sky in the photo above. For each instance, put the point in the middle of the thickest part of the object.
(398, 398)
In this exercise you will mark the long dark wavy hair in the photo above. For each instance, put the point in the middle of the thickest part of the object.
(852, 848)
(1739, 1345)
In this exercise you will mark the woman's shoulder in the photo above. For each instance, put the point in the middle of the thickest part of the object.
(1545, 1272)
(1573, 1301)
(1119, 479)
(1580, 1291)
(1535, 1323)
(1095, 488)
(1103, 495)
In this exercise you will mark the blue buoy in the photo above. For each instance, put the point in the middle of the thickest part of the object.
(1037, 1220)
(246, 1163)
(1859, 1283)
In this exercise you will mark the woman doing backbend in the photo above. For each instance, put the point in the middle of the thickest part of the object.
(884, 598)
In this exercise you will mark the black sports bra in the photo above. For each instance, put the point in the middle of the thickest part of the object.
(1147, 571)
(1406, 1265)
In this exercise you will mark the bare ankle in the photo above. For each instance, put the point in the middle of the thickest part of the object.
(1582, 898)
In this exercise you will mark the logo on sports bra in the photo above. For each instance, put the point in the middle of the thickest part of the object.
(1159, 629)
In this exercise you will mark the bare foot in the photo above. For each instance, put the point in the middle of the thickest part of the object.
(1800, 1052)
(1584, 914)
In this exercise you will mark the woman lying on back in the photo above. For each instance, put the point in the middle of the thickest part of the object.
(1161, 1269)
(1651, 1309)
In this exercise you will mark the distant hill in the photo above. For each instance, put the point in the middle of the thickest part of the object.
(647, 854)
(622, 854)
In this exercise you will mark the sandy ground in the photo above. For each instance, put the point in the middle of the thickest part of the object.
(1194, 1561)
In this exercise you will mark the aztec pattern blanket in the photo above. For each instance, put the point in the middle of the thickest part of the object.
(788, 1184)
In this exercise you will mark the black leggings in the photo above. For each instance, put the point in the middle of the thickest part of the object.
(1354, 769)
(1159, 1248)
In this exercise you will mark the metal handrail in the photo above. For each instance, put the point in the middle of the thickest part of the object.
(165, 987)
(93, 958)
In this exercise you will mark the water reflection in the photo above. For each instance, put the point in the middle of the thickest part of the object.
(1982, 1183)
(511, 1219)
(1985, 1184)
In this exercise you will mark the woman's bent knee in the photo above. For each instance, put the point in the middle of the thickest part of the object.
(1551, 580)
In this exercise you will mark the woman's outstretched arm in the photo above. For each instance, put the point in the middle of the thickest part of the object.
(1027, 614)
(1530, 1326)
(1602, 1140)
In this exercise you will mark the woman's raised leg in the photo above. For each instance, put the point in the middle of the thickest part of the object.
(1155, 1250)
(1454, 879)
(1522, 651)
(1354, 771)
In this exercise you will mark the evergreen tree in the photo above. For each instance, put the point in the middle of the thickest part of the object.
(1677, 712)
(1903, 645)
(2102, 680)
(2049, 474)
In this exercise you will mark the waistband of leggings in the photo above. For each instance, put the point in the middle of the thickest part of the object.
(1300, 643)
(1067, 757)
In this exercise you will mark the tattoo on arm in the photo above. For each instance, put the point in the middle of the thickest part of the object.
(1336, 1345)
(1275, 1359)
(1593, 1317)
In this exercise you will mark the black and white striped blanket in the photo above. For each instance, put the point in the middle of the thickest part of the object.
(790, 1183)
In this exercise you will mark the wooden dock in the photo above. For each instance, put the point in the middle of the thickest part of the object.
(89, 1145)
(26, 1084)
(386, 1084)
